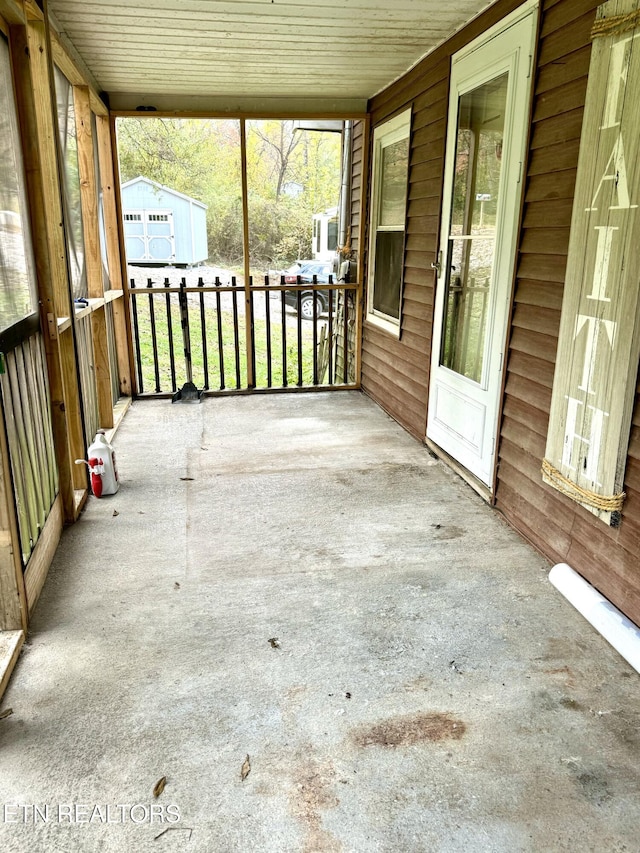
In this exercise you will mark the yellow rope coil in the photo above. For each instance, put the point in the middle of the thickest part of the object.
(616, 25)
(606, 503)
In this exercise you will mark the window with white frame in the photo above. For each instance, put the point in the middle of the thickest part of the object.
(387, 222)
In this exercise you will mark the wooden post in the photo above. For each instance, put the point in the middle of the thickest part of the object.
(123, 264)
(39, 236)
(13, 603)
(119, 306)
(92, 252)
(51, 225)
(251, 381)
(88, 192)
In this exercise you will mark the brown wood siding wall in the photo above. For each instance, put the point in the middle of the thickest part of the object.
(607, 557)
(395, 373)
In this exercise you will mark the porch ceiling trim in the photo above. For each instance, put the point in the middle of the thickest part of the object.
(128, 103)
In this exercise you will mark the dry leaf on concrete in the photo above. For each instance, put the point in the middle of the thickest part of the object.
(6, 713)
(245, 769)
(158, 788)
(273, 642)
(115, 512)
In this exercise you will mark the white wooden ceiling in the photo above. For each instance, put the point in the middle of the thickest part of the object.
(327, 55)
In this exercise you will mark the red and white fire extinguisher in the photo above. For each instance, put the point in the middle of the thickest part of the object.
(101, 461)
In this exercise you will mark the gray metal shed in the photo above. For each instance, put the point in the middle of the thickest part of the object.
(162, 225)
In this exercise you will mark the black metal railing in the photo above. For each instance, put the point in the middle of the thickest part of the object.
(266, 336)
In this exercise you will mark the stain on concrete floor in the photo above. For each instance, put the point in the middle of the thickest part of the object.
(410, 730)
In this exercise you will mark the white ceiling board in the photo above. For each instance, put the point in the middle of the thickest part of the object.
(319, 52)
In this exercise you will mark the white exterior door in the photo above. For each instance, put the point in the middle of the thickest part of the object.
(487, 123)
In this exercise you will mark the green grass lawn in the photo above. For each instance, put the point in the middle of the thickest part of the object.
(228, 348)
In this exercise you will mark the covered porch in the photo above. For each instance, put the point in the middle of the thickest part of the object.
(295, 579)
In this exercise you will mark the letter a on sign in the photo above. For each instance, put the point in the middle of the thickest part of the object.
(599, 341)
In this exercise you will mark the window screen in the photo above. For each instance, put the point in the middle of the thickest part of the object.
(71, 184)
(17, 278)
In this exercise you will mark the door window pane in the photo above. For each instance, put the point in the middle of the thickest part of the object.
(471, 249)
(17, 279)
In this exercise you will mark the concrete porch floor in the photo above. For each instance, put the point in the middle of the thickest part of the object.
(426, 688)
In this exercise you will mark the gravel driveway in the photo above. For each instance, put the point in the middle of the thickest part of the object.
(208, 273)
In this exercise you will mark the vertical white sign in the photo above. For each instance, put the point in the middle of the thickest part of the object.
(599, 343)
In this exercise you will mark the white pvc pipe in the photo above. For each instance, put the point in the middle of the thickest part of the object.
(614, 626)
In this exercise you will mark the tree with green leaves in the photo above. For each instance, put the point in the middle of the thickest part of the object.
(290, 174)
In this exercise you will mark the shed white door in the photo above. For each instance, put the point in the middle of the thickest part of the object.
(134, 233)
(150, 235)
(487, 122)
(160, 235)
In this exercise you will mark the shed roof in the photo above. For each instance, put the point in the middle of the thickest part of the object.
(141, 178)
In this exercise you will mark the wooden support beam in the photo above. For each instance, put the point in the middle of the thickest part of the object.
(92, 251)
(121, 315)
(123, 262)
(74, 75)
(41, 250)
(65, 63)
(10, 644)
(67, 396)
(103, 141)
(88, 192)
(42, 555)
(33, 11)
(102, 366)
(251, 380)
(73, 410)
(47, 143)
(103, 133)
(12, 12)
(250, 107)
